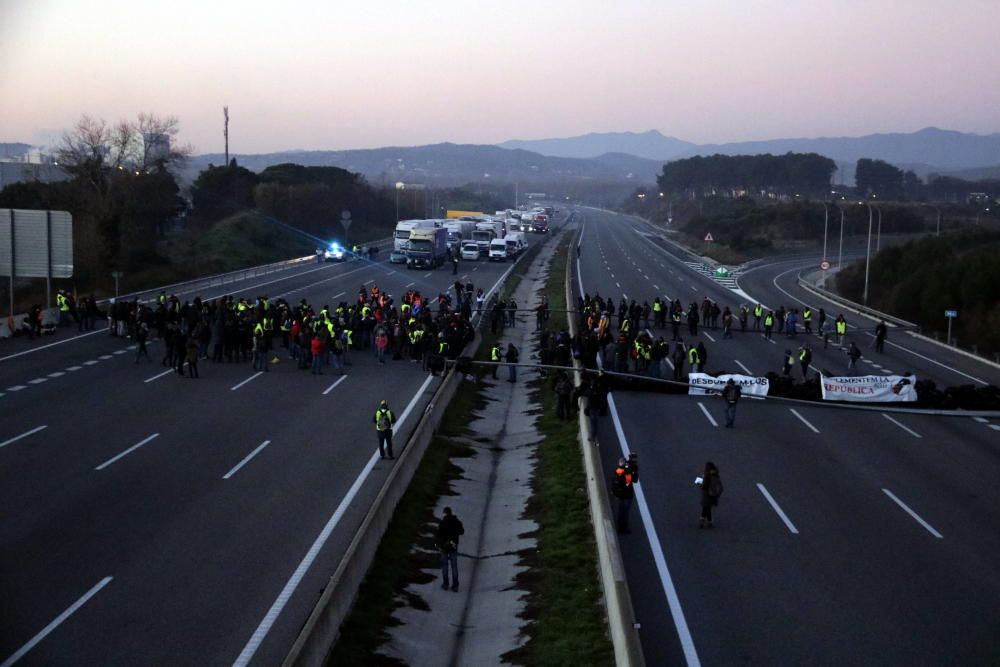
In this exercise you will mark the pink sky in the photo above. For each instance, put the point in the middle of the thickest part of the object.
(338, 74)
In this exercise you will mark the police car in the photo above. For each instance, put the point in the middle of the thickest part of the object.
(335, 253)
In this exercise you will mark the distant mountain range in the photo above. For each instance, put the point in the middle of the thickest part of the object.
(926, 151)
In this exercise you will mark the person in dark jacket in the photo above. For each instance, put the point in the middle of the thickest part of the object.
(449, 531)
(511, 357)
(623, 488)
(711, 489)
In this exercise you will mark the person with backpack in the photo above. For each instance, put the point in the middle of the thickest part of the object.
(731, 395)
(853, 354)
(623, 488)
(384, 420)
(564, 390)
(449, 531)
(511, 356)
(711, 489)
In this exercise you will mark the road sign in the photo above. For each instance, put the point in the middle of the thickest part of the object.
(951, 313)
(708, 237)
(345, 219)
(722, 272)
(824, 265)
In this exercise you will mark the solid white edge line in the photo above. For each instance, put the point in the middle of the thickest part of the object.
(673, 601)
(740, 364)
(246, 655)
(804, 420)
(902, 426)
(56, 622)
(708, 415)
(127, 452)
(58, 342)
(23, 435)
(774, 505)
(709, 336)
(916, 517)
(246, 459)
(252, 377)
(158, 376)
(334, 385)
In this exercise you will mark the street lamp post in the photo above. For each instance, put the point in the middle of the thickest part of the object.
(826, 222)
(399, 186)
(878, 234)
(868, 253)
(840, 255)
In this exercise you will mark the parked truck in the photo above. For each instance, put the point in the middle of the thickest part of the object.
(516, 243)
(403, 229)
(427, 248)
(458, 232)
(485, 232)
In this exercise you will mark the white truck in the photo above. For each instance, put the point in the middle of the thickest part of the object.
(516, 243)
(485, 232)
(403, 229)
(498, 250)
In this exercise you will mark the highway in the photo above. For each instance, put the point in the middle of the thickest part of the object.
(159, 520)
(842, 537)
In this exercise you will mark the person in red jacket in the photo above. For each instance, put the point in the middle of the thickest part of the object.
(317, 355)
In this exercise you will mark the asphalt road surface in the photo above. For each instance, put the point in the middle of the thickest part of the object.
(842, 537)
(158, 520)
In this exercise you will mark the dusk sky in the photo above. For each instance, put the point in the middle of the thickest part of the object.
(337, 75)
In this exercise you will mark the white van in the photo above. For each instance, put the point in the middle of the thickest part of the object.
(470, 250)
(498, 250)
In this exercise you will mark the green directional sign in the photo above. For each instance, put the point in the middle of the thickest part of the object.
(722, 272)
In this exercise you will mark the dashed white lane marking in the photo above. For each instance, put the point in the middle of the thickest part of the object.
(708, 336)
(23, 435)
(902, 426)
(334, 385)
(619, 285)
(73, 368)
(38, 380)
(428, 274)
(119, 352)
(56, 622)
(708, 415)
(252, 377)
(916, 517)
(995, 427)
(367, 282)
(90, 362)
(127, 451)
(745, 369)
(410, 284)
(693, 288)
(465, 276)
(246, 459)
(656, 287)
(803, 420)
(17, 387)
(104, 357)
(337, 296)
(781, 514)
(158, 376)
(293, 582)
(982, 420)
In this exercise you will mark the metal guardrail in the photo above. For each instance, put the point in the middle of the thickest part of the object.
(864, 310)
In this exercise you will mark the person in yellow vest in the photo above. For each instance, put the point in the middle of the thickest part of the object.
(758, 312)
(63, 304)
(384, 420)
(768, 324)
(807, 315)
(694, 359)
(841, 325)
(496, 355)
(658, 313)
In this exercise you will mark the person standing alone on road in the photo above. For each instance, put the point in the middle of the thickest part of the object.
(711, 489)
(512, 357)
(384, 420)
(853, 354)
(623, 488)
(731, 395)
(881, 332)
(449, 531)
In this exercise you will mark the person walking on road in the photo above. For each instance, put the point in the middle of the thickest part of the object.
(450, 529)
(881, 332)
(679, 356)
(711, 489)
(841, 328)
(805, 358)
(384, 420)
(731, 395)
(496, 354)
(623, 488)
(454, 264)
(853, 354)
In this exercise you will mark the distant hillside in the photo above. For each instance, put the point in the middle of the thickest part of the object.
(442, 164)
(650, 145)
(976, 174)
(926, 151)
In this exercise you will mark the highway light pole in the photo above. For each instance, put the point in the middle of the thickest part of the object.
(868, 253)
(878, 234)
(826, 222)
(840, 256)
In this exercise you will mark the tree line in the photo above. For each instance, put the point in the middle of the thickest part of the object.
(802, 173)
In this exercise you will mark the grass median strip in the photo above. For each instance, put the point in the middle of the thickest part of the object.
(566, 618)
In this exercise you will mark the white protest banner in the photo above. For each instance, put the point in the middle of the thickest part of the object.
(870, 388)
(701, 383)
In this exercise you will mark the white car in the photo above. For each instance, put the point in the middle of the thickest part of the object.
(470, 250)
